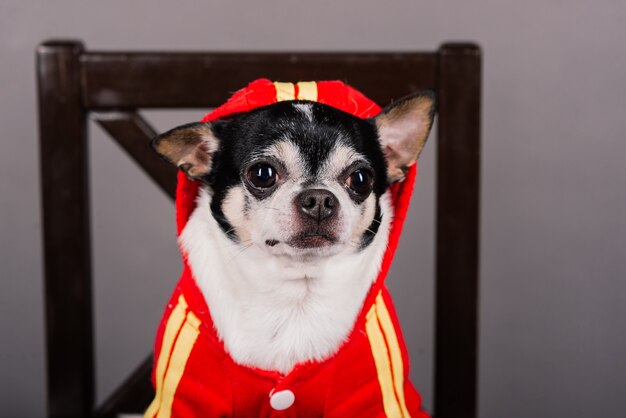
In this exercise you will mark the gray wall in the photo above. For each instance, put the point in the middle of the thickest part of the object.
(553, 196)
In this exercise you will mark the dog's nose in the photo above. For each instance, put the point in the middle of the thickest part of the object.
(318, 204)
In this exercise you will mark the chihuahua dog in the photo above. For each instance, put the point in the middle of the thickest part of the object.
(292, 219)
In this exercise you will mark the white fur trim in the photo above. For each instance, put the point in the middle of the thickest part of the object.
(272, 312)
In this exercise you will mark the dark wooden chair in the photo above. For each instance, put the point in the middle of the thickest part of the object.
(74, 82)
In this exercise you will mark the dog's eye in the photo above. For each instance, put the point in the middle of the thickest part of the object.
(360, 182)
(262, 175)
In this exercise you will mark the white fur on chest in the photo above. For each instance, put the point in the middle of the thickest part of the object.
(273, 313)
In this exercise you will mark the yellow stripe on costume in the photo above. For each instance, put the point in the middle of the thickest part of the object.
(285, 91)
(381, 360)
(174, 323)
(184, 344)
(307, 90)
(394, 349)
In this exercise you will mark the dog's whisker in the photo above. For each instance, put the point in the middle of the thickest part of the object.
(229, 231)
(353, 244)
(235, 244)
(238, 253)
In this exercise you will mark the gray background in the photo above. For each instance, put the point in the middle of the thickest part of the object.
(553, 196)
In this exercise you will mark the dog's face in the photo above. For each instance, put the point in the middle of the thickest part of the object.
(301, 179)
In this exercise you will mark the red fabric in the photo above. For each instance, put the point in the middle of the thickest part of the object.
(347, 384)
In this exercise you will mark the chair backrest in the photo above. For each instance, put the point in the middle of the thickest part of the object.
(74, 82)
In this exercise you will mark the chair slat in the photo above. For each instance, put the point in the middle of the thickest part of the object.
(200, 80)
(132, 396)
(133, 133)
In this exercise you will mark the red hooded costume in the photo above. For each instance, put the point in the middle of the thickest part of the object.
(194, 375)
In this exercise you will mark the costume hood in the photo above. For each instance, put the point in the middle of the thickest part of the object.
(263, 92)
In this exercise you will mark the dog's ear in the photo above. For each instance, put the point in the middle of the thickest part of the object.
(403, 128)
(189, 147)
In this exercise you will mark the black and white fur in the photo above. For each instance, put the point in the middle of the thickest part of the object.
(292, 219)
